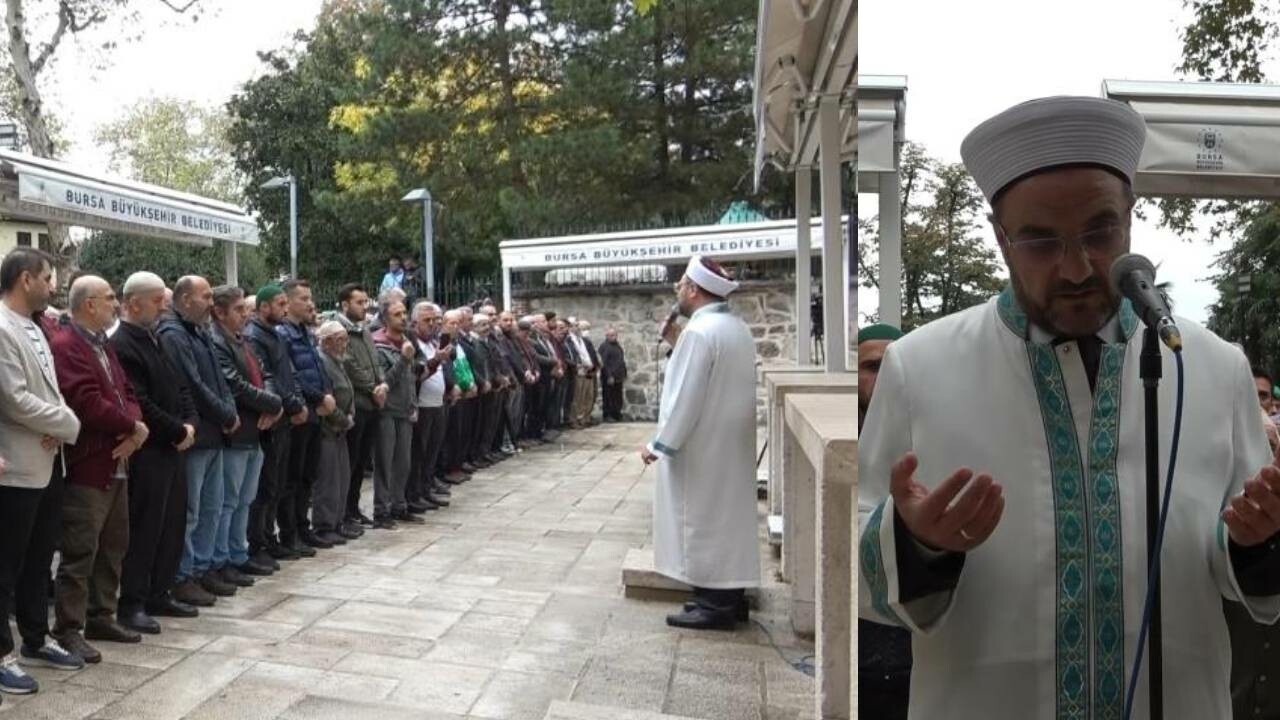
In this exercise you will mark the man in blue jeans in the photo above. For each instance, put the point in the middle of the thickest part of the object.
(259, 408)
(185, 335)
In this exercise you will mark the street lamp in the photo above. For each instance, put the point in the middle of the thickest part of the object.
(288, 181)
(423, 196)
(1244, 283)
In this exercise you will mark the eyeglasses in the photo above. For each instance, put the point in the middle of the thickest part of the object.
(1097, 244)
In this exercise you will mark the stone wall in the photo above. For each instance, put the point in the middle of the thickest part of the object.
(636, 312)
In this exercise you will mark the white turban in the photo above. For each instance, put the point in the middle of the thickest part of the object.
(1051, 132)
(707, 280)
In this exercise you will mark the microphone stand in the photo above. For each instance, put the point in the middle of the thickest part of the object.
(1150, 370)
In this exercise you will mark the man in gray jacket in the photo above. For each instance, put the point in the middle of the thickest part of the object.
(400, 367)
(34, 423)
(365, 373)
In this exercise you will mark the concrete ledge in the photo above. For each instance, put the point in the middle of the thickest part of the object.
(775, 530)
(566, 710)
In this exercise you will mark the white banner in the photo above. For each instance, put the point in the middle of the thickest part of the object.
(722, 245)
(92, 199)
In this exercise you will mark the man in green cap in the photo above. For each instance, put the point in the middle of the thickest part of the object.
(884, 652)
(872, 340)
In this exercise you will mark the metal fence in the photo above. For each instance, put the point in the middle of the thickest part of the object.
(782, 269)
(454, 293)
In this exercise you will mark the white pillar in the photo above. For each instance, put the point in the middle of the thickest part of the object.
(890, 250)
(804, 207)
(230, 262)
(833, 290)
(506, 288)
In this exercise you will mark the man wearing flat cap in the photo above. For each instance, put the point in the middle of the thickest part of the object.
(704, 506)
(1005, 526)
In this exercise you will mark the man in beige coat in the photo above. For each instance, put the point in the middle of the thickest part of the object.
(34, 423)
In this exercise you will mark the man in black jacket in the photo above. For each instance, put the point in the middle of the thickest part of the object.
(185, 337)
(259, 408)
(482, 403)
(273, 356)
(157, 490)
(613, 372)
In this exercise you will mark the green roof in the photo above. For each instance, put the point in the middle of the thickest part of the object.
(740, 212)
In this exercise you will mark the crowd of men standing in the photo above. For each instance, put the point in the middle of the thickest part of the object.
(173, 444)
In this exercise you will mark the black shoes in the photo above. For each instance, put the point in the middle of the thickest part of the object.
(330, 538)
(234, 577)
(168, 606)
(351, 530)
(213, 583)
(418, 507)
(74, 643)
(742, 613)
(281, 552)
(192, 593)
(315, 541)
(301, 548)
(105, 628)
(254, 568)
(438, 499)
(405, 517)
(701, 618)
(137, 619)
(361, 519)
(383, 522)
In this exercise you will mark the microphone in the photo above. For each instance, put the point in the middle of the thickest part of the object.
(1134, 277)
(671, 318)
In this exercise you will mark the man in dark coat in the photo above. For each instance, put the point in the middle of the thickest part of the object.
(157, 489)
(613, 373)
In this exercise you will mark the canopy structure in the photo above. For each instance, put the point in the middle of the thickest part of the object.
(1205, 140)
(882, 119)
(41, 190)
(646, 248)
(806, 62)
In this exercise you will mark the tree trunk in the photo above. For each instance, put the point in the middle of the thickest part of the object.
(507, 121)
(662, 133)
(31, 113)
(690, 109)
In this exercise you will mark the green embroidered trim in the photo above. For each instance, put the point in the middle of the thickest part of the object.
(873, 567)
(1072, 645)
(1089, 569)
(1106, 542)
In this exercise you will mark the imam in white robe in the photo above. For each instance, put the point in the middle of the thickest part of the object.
(1044, 620)
(704, 506)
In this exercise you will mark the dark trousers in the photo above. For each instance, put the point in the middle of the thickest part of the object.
(271, 484)
(487, 424)
(534, 416)
(95, 536)
(553, 404)
(727, 599)
(360, 440)
(157, 521)
(460, 432)
(30, 527)
(295, 500)
(428, 438)
(612, 401)
(884, 671)
(568, 385)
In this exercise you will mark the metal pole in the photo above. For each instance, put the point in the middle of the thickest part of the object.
(833, 302)
(428, 256)
(293, 227)
(890, 250)
(506, 288)
(804, 205)
(230, 262)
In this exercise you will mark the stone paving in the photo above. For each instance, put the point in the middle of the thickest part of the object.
(503, 603)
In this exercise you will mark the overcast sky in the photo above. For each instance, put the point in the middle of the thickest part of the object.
(206, 62)
(967, 61)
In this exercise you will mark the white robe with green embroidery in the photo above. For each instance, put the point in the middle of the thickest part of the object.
(705, 517)
(1045, 618)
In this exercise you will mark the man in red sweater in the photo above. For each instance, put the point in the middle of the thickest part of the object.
(95, 509)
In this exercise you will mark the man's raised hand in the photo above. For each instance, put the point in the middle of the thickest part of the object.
(1253, 516)
(935, 517)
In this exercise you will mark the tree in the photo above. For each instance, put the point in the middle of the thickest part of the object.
(946, 264)
(179, 145)
(21, 83)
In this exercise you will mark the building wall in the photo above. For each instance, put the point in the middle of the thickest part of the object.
(9, 230)
(636, 312)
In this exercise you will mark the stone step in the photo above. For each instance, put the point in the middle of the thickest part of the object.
(640, 580)
(565, 710)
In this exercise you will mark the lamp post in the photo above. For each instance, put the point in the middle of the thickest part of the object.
(423, 196)
(1244, 283)
(288, 181)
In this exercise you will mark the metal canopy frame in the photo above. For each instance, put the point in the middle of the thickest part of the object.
(882, 121)
(806, 63)
(43, 190)
(1205, 139)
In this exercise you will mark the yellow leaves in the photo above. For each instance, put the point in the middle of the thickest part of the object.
(352, 118)
(366, 177)
(361, 68)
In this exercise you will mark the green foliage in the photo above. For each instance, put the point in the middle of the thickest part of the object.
(522, 118)
(114, 257)
(946, 265)
(1250, 318)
